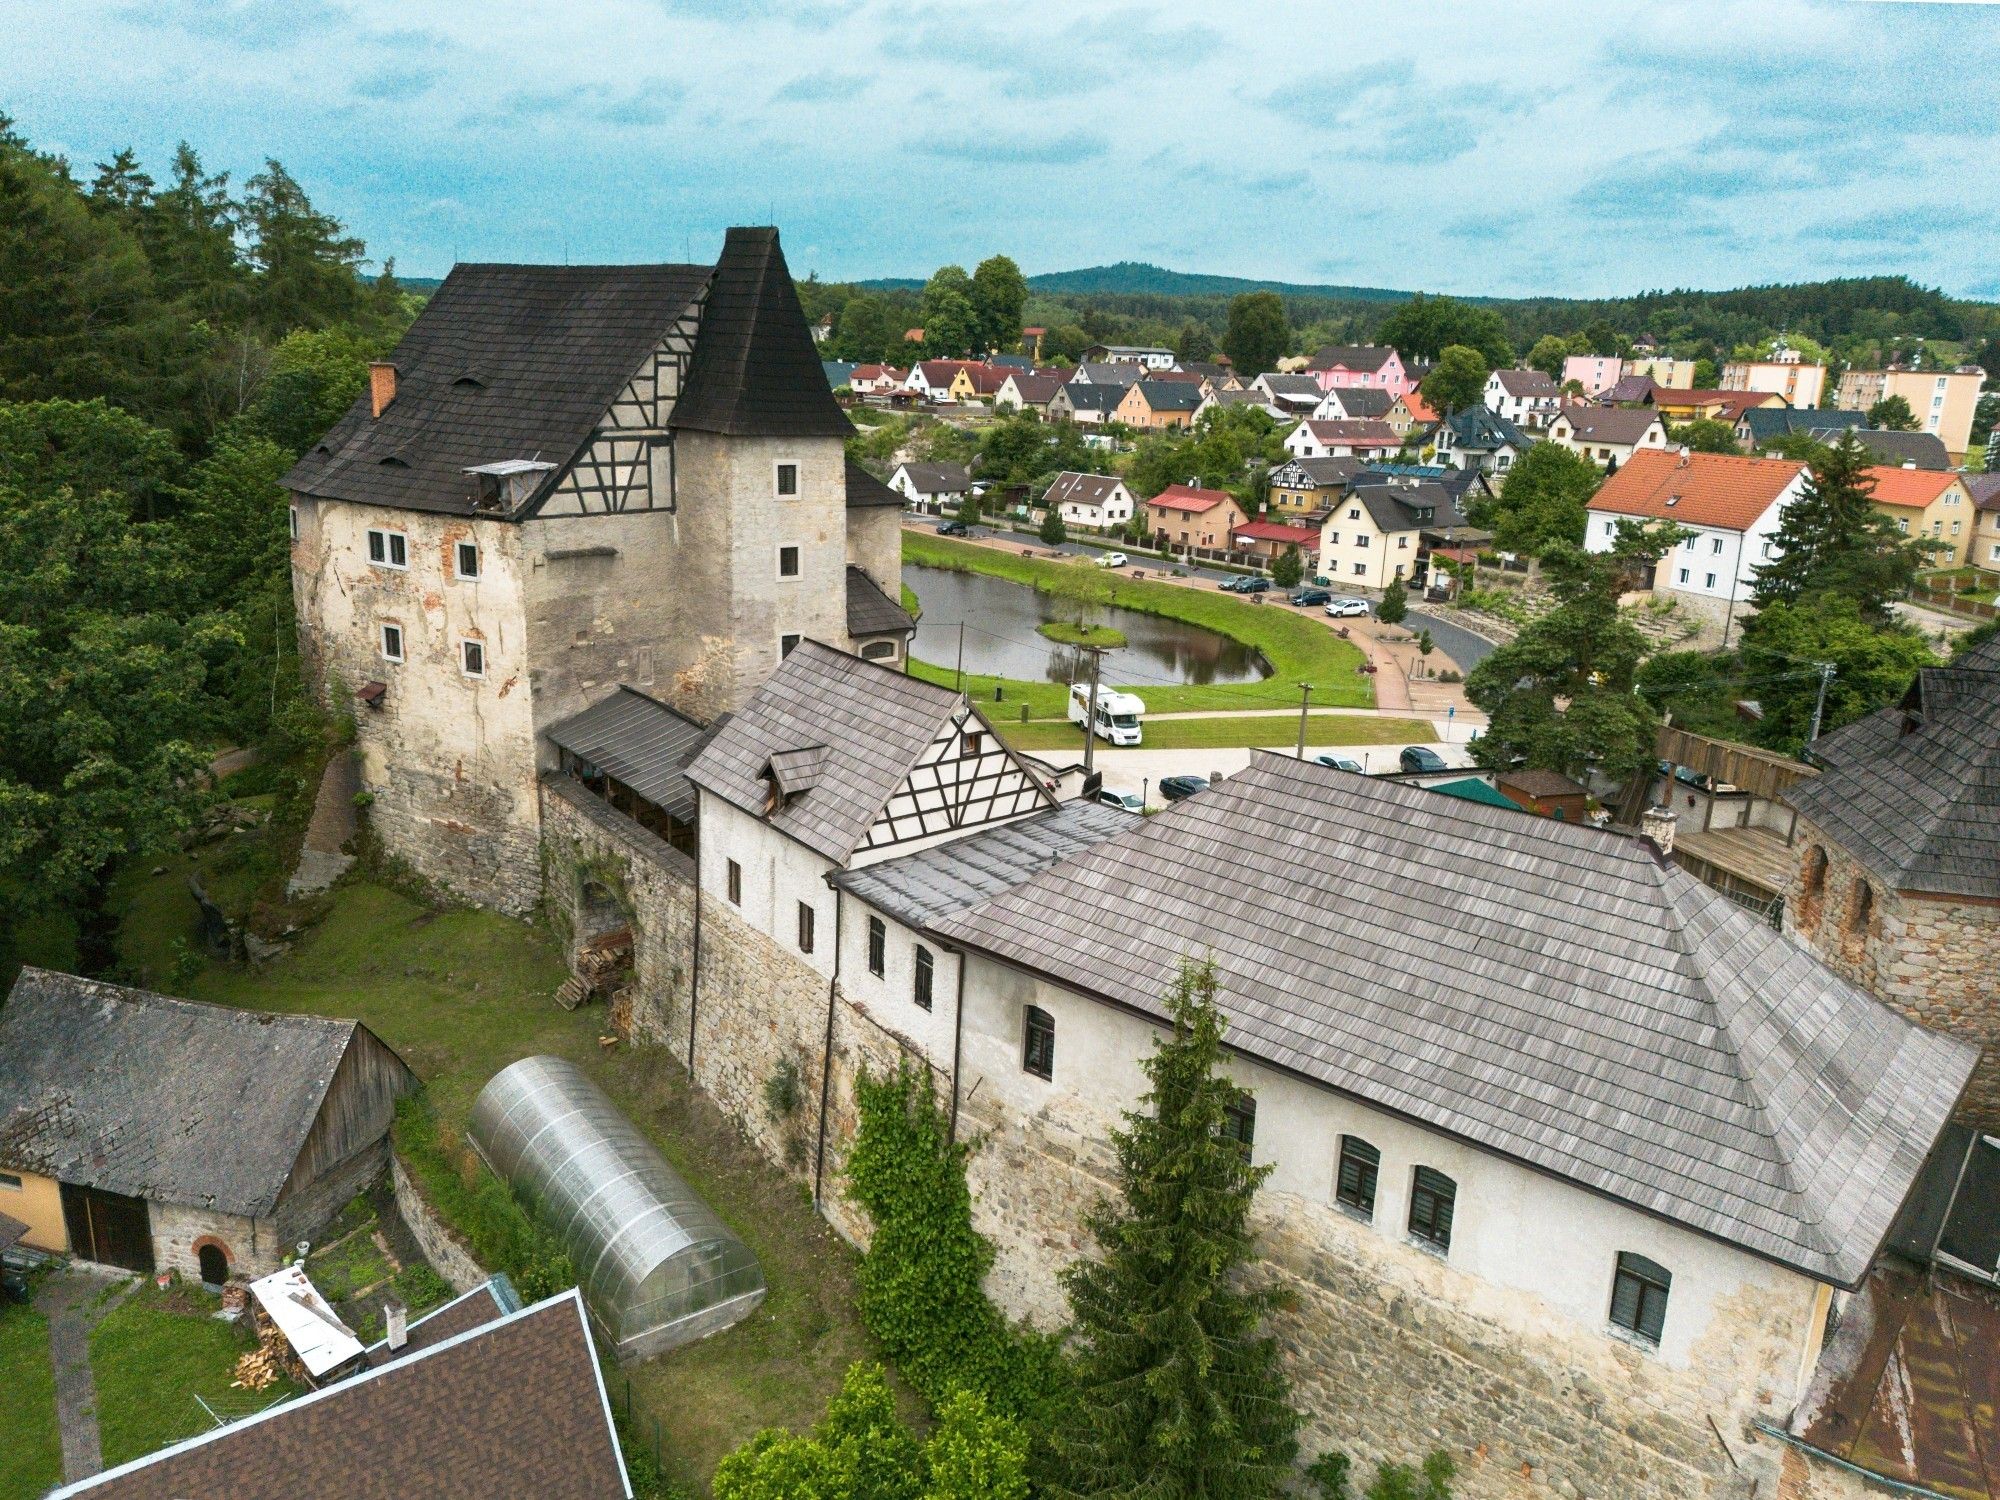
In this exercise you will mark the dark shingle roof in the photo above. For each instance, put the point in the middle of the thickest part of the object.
(1623, 425)
(870, 611)
(1320, 473)
(1170, 395)
(1766, 422)
(755, 372)
(504, 362)
(932, 883)
(937, 479)
(1072, 488)
(1913, 792)
(1549, 992)
(1924, 450)
(640, 741)
(513, 1406)
(1481, 430)
(1363, 401)
(1350, 357)
(199, 1105)
(864, 490)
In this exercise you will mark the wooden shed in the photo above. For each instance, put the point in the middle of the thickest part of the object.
(1549, 793)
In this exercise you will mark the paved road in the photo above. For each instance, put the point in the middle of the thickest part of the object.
(1139, 771)
(1460, 644)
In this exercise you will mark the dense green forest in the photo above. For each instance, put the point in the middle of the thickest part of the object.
(168, 346)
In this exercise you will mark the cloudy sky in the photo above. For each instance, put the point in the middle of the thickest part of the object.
(1468, 147)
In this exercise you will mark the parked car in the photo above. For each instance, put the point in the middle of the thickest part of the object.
(1175, 788)
(1342, 609)
(1249, 585)
(1338, 763)
(1417, 758)
(954, 528)
(1305, 598)
(1112, 560)
(1120, 799)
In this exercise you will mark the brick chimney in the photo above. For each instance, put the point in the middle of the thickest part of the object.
(395, 1324)
(381, 386)
(1656, 827)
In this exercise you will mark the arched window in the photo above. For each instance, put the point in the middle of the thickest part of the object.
(214, 1263)
(1815, 875)
(1861, 907)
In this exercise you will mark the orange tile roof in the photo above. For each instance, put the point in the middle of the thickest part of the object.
(1189, 498)
(1277, 531)
(1916, 488)
(1697, 489)
(1418, 407)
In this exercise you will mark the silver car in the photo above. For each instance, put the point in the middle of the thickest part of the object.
(1342, 609)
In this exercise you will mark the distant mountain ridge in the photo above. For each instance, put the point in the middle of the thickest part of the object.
(1128, 278)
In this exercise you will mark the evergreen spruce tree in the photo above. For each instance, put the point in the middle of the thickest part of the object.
(1054, 530)
(1395, 603)
(1831, 540)
(1177, 1394)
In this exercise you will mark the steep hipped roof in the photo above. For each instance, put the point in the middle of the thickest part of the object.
(870, 611)
(922, 887)
(1479, 430)
(1913, 792)
(755, 371)
(1696, 489)
(1984, 489)
(512, 1406)
(504, 362)
(157, 1098)
(865, 491)
(640, 741)
(1550, 992)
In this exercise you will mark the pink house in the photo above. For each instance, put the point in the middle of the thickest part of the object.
(1373, 365)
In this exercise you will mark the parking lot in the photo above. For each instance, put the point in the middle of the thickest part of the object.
(1138, 772)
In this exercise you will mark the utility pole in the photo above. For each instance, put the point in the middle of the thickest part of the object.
(1819, 703)
(958, 672)
(1305, 698)
(1090, 712)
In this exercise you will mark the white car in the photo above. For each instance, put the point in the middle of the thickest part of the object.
(1341, 609)
(1112, 560)
(1120, 799)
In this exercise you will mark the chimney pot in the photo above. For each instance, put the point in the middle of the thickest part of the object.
(381, 385)
(1656, 827)
(396, 1323)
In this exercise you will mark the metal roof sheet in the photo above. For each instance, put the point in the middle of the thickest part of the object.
(640, 741)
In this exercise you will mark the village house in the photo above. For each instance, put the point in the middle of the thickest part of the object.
(1155, 404)
(1478, 438)
(1527, 398)
(1185, 518)
(1096, 501)
(1376, 533)
(1374, 365)
(477, 546)
(1026, 391)
(1411, 413)
(1303, 486)
(155, 1134)
(1731, 506)
(1130, 354)
(1760, 430)
(1353, 403)
(1942, 401)
(474, 1401)
(1985, 547)
(1088, 404)
(929, 487)
(1264, 542)
(1726, 407)
(1606, 434)
(1785, 374)
(839, 374)
(1926, 506)
(1311, 439)
(1594, 373)
(1214, 377)
(1103, 372)
(876, 380)
(1293, 395)
(1242, 395)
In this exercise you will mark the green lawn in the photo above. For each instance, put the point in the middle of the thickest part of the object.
(30, 1443)
(152, 1356)
(462, 993)
(1299, 648)
(1322, 730)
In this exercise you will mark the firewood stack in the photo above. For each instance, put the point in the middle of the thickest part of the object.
(270, 1361)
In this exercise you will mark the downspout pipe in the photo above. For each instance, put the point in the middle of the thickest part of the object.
(826, 1054)
(957, 1042)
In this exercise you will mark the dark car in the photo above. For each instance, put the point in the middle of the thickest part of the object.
(1174, 788)
(1247, 585)
(1417, 758)
(954, 528)
(1305, 597)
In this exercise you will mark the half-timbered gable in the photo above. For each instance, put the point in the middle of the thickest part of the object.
(966, 778)
(627, 463)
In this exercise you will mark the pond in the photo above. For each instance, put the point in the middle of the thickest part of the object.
(1000, 640)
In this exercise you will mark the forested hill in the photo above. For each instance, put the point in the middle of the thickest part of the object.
(1138, 278)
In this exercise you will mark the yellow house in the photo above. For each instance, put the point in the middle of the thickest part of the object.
(1929, 503)
(1159, 403)
(1942, 401)
(37, 1203)
(1985, 548)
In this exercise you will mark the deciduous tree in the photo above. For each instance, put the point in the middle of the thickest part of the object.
(1705, 435)
(999, 292)
(1456, 381)
(1541, 502)
(1893, 413)
(1258, 332)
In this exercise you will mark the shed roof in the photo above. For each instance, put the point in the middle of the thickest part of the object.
(172, 1101)
(870, 611)
(1551, 993)
(640, 741)
(865, 491)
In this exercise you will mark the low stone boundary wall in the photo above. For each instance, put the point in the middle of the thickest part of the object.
(446, 1252)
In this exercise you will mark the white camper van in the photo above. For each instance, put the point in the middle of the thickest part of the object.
(1117, 717)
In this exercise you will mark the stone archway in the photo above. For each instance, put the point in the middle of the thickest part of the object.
(213, 1260)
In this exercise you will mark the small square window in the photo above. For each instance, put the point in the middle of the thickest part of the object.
(392, 643)
(926, 966)
(465, 559)
(788, 562)
(472, 658)
(1038, 1048)
(1361, 568)
(878, 946)
(1354, 1185)
(807, 918)
(735, 883)
(788, 479)
(975, 742)
(787, 644)
(388, 549)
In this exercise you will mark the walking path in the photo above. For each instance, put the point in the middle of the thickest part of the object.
(74, 1303)
(322, 858)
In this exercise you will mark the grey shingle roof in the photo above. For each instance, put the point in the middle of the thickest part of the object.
(1766, 422)
(1922, 450)
(937, 479)
(873, 721)
(639, 741)
(1291, 385)
(1320, 473)
(158, 1098)
(1548, 992)
(504, 362)
(1092, 373)
(755, 371)
(1072, 488)
(1363, 401)
(1528, 384)
(864, 490)
(1913, 792)
(1351, 357)
(1623, 425)
(870, 611)
(1170, 395)
(932, 883)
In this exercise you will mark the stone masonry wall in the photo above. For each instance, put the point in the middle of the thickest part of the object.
(254, 1246)
(447, 1254)
(1932, 959)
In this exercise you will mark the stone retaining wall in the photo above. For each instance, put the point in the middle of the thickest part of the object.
(447, 1253)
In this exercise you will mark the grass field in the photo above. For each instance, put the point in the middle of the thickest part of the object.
(30, 1443)
(1298, 647)
(1322, 731)
(151, 1356)
(462, 993)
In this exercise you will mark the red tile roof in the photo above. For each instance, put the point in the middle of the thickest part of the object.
(1915, 488)
(1274, 531)
(1697, 489)
(1189, 498)
(1418, 407)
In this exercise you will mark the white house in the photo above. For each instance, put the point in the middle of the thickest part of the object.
(1527, 398)
(1477, 438)
(1732, 506)
(1096, 500)
(1353, 403)
(875, 380)
(931, 486)
(1132, 354)
(1340, 439)
(1606, 434)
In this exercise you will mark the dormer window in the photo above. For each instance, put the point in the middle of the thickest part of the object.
(507, 484)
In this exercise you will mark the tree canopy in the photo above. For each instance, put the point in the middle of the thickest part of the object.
(1258, 332)
(1456, 381)
(1893, 413)
(1542, 501)
(1424, 327)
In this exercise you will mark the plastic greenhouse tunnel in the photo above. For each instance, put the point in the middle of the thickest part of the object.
(657, 1267)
